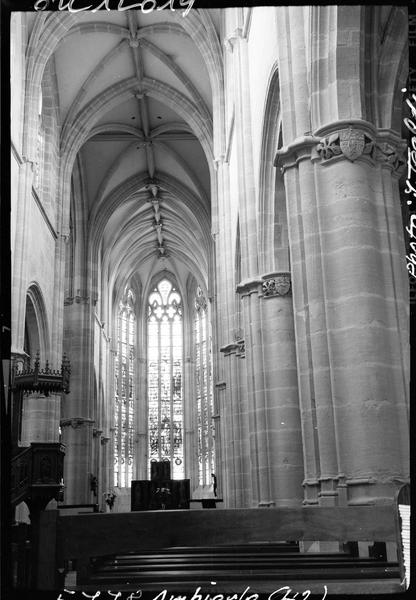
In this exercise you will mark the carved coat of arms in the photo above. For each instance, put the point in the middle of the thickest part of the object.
(282, 285)
(278, 286)
(352, 143)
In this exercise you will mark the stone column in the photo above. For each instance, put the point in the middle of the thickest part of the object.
(249, 286)
(350, 289)
(234, 478)
(78, 416)
(366, 292)
(234, 429)
(77, 435)
(256, 399)
(96, 465)
(281, 385)
(350, 298)
(107, 479)
(219, 387)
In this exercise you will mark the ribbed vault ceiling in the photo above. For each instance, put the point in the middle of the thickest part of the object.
(138, 89)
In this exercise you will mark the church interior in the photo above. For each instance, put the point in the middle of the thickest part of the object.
(210, 355)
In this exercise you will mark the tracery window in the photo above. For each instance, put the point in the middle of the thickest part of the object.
(124, 388)
(204, 396)
(165, 365)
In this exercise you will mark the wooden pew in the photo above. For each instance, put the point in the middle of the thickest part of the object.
(78, 538)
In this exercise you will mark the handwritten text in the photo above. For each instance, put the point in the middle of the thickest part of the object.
(410, 189)
(145, 6)
(283, 593)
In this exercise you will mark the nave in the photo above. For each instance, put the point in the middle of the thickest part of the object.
(208, 237)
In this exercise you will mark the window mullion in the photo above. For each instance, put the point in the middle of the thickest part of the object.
(165, 339)
(171, 450)
(126, 437)
(120, 388)
(159, 388)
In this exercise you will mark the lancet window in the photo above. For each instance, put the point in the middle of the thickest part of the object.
(124, 387)
(165, 375)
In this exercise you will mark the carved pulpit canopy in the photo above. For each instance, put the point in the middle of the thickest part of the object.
(46, 381)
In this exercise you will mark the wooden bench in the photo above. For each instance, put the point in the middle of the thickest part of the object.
(82, 537)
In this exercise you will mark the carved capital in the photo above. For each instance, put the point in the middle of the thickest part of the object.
(350, 142)
(82, 298)
(231, 40)
(300, 149)
(238, 348)
(310, 482)
(76, 422)
(249, 286)
(241, 349)
(279, 284)
(362, 140)
(229, 349)
(390, 155)
(219, 160)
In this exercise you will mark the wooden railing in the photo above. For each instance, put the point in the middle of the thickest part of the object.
(78, 538)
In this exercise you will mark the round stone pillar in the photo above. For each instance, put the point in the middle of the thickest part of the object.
(281, 390)
(77, 436)
(234, 429)
(350, 292)
(260, 459)
(78, 418)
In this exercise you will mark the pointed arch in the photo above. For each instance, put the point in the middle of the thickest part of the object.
(204, 405)
(125, 401)
(269, 178)
(36, 322)
(393, 67)
(165, 342)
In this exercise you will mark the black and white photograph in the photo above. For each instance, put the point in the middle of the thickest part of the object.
(208, 292)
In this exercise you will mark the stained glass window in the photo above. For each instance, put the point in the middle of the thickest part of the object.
(204, 396)
(165, 343)
(124, 392)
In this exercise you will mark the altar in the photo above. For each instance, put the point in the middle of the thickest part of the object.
(160, 492)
